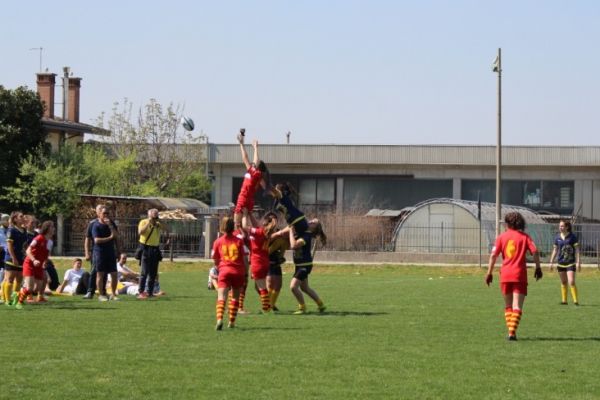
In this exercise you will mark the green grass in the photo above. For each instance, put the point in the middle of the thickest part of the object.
(389, 333)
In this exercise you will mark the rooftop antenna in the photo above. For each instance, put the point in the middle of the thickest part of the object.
(287, 136)
(41, 49)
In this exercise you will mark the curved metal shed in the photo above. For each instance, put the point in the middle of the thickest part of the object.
(452, 226)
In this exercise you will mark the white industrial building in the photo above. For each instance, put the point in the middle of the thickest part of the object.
(340, 178)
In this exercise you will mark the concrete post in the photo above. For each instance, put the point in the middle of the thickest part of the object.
(60, 234)
(211, 228)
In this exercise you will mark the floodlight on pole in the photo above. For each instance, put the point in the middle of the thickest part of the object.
(497, 67)
(41, 49)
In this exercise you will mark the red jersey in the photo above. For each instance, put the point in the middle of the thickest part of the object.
(39, 250)
(228, 254)
(245, 199)
(513, 245)
(259, 252)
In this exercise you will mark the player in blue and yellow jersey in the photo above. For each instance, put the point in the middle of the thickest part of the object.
(284, 204)
(16, 242)
(303, 262)
(566, 246)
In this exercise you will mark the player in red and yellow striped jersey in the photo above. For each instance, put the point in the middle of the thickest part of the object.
(513, 245)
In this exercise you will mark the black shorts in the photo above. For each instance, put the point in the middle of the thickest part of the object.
(274, 270)
(10, 267)
(301, 273)
(565, 268)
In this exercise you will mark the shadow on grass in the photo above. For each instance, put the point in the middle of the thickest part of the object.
(67, 306)
(265, 328)
(337, 314)
(562, 339)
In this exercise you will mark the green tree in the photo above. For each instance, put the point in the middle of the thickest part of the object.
(50, 183)
(170, 161)
(21, 131)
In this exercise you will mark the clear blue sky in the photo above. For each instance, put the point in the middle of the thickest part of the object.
(330, 71)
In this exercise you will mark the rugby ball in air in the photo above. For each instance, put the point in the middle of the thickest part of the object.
(187, 123)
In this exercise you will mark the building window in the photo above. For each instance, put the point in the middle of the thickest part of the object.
(362, 194)
(551, 196)
(317, 191)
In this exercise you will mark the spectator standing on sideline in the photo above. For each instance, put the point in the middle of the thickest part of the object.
(3, 249)
(88, 246)
(149, 230)
(104, 254)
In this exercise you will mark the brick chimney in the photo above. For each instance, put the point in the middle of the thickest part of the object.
(73, 111)
(45, 88)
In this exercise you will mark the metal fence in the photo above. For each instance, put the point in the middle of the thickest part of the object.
(186, 238)
(352, 233)
(466, 240)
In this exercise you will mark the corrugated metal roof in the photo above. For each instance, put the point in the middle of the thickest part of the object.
(488, 210)
(375, 212)
(412, 155)
(165, 203)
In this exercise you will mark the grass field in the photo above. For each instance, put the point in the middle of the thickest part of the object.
(389, 333)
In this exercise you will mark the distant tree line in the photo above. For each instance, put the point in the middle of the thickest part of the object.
(145, 156)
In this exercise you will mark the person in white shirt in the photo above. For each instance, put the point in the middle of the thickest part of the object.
(75, 280)
(124, 273)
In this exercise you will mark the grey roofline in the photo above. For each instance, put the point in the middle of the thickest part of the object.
(332, 154)
(72, 126)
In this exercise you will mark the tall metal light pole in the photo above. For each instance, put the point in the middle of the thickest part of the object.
(497, 67)
(41, 49)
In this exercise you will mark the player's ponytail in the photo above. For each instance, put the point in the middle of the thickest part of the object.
(316, 228)
(227, 225)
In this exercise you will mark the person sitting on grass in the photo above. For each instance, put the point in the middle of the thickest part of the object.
(52, 281)
(124, 273)
(213, 278)
(513, 245)
(75, 280)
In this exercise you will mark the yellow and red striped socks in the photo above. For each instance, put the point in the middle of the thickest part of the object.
(242, 297)
(233, 310)
(265, 299)
(508, 316)
(23, 293)
(514, 321)
(220, 309)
